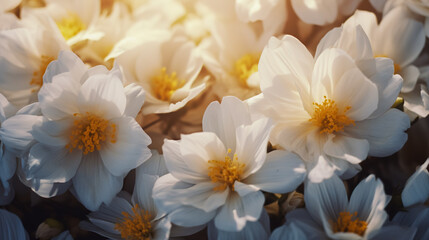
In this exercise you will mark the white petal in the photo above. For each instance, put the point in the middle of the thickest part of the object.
(187, 216)
(130, 149)
(44, 188)
(325, 200)
(94, 184)
(274, 61)
(223, 119)
(350, 149)
(252, 230)
(237, 211)
(199, 148)
(53, 133)
(417, 101)
(395, 29)
(252, 143)
(103, 96)
(161, 229)
(289, 231)
(58, 99)
(55, 164)
(388, 85)
(282, 172)
(142, 193)
(410, 74)
(385, 134)
(201, 196)
(67, 62)
(155, 165)
(368, 200)
(11, 226)
(15, 132)
(135, 99)
(176, 164)
(414, 217)
(417, 187)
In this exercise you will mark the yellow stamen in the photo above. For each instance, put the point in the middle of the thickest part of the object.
(348, 222)
(37, 78)
(90, 132)
(396, 67)
(164, 84)
(135, 226)
(70, 25)
(327, 116)
(245, 67)
(226, 172)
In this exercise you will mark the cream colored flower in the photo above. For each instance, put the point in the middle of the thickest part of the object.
(27, 49)
(217, 175)
(391, 39)
(166, 69)
(74, 19)
(329, 214)
(86, 135)
(325, 109)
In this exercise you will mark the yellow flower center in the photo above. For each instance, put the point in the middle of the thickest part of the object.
(164, 84)
(396, 67)
(226, 172)
(90, 132)
(37, 78)
(135, 226)
(327, 116)
(348, 222)
(246, 66)
(70, 25)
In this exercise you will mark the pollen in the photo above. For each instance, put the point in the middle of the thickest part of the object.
(90, 132)
(327, 116)
(70, 25)
(348, 222)
(245, 67)
(135, 226)
(37, 78)
(164, 84)
(226, 172)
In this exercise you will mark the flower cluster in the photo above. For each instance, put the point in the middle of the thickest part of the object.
(225, 119)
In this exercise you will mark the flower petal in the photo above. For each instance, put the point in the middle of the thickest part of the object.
(417, 187)
(350, 149)
(282, 172)
(103, 96)
(130, 149)
(55, 164)
(94, 184)
(385, 134)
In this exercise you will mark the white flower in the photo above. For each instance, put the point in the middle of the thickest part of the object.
(322, 12)
(330, 215)
(87, 133)
(136, 217)
(74, 19)
(27, 49)
(114, 25)
(166, 69)
(11, 226)
(416, 189)
(232, 55)
(391, 39)
(216, 175)
(325, 109)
